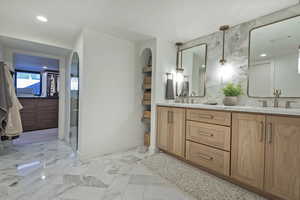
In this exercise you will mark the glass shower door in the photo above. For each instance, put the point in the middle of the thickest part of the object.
(74, 101)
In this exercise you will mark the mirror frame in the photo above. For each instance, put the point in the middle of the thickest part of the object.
(205, 76)
(249, 54)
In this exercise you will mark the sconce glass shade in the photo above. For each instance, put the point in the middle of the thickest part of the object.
(225, 72)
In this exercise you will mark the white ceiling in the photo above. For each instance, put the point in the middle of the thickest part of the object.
(174, 20)
(24, 45)
(34, 63)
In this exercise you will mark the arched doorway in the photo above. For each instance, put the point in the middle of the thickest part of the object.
(74, 101)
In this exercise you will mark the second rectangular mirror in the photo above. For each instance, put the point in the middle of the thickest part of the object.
(193, 63)
(274, 61)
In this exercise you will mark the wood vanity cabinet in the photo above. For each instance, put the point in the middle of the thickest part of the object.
(257, 150)
(163, 127)
(171, 130)
(282, 170)
(248, 148)
(266, 153)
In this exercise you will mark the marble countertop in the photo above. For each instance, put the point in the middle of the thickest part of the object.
(249, 109)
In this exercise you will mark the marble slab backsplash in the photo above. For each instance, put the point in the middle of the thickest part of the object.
(236, 54)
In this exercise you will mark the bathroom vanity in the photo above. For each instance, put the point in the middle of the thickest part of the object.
(257, 148)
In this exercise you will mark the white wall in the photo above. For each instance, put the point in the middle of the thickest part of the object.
(110, 118)
(110, 91)
(166, 63)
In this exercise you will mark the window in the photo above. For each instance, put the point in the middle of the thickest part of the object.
(74, 83)
(28, 83)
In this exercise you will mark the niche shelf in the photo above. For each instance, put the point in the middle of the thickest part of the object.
(147, 84)
(147, 139)
(147, 114)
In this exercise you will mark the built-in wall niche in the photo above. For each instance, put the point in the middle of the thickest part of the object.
(146, 62)
(274, 61)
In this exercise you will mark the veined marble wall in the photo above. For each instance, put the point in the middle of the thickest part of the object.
(236, 54)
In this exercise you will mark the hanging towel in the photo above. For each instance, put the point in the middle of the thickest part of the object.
(170, 89)
(14, 124)
(5, 99)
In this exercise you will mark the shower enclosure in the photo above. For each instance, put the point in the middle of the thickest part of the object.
(74, 101)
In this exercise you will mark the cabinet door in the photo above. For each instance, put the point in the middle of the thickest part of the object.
(177, 132)
(163, 124)
(247, 155)
(282, 172)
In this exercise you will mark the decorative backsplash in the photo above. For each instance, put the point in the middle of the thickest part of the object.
(236, 54)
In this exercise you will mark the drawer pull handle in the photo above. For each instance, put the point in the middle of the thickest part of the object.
(205, 157)
(205, 116)
(170, 117)
(206, 134)
(262, 131)
(270, 133)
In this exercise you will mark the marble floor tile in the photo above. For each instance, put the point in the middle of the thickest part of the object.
(83, 192)
(134, 192)
(146, 180)
(52, 171)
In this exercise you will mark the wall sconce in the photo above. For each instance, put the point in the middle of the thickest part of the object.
(223, 29)
(179, 67)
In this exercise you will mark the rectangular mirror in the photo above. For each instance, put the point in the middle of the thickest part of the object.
(193, 63)
(274, 59)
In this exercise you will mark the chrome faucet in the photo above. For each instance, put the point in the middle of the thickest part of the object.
(193, 94)
(276, 93)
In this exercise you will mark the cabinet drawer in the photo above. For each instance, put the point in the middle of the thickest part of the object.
(214, 117)
(208, 157)
(209, 134)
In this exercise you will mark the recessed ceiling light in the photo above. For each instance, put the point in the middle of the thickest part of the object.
(263, 55)
(45, 67)
(41, 18)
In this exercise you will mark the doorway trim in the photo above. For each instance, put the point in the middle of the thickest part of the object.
(62, 85)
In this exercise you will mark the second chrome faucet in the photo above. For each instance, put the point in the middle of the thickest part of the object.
(276, 93)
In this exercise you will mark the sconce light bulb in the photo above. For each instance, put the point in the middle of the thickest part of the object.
(263, 55)
(179, 77)
(226, 72)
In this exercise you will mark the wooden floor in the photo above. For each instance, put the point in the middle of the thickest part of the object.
(37, 136)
